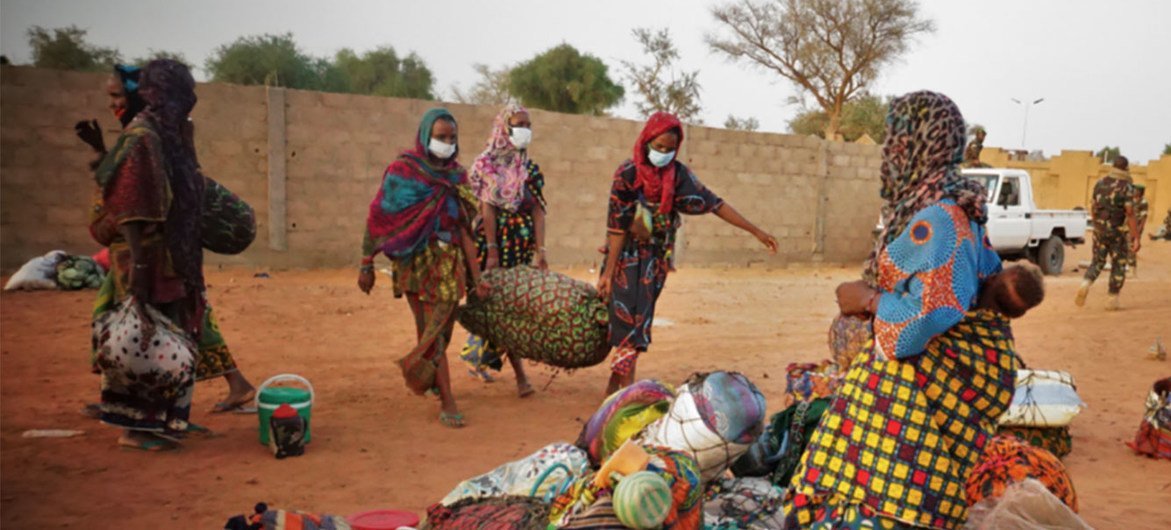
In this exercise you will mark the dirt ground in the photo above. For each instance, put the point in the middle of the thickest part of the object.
(375, 445)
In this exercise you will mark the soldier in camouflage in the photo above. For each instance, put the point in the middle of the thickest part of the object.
(1142, 210)
(975, 146)
(1116, 234)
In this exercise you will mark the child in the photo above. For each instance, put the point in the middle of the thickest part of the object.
(1013, 291)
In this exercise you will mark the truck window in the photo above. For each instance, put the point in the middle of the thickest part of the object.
(1010, 192)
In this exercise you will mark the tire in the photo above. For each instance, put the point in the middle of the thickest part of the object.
(1051, 256)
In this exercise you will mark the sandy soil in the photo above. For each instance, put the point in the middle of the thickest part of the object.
(375, 445)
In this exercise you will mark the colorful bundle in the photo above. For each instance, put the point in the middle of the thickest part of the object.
(714, 418)
(228, 224)
(1056, 440)
(496, 513)
(746, 503)
(1043, 398)
(1007, 461)
(290, 520)
(586, 505)
(79, 272)
(622, 416)
(535, 475)
(542, 316)
(809, 381)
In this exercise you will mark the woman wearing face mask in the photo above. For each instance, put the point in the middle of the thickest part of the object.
(648, 194)
(512, 209)
(420, 220)
(215, 359)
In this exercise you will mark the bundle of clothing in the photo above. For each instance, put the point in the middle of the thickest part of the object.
(808, 381)
(57, 270)
(1006, 461)
(265, 519)
(539, 315)
(643, 460)
(228, 223)
(1044, 404)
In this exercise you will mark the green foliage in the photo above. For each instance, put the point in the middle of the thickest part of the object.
(741, 124)
(272, 60)
(661, 86)
(1107, 154)
(382, 72)
(563, 79)
(1167, 149)
(490, 89)
(66, 49)
(864, 115)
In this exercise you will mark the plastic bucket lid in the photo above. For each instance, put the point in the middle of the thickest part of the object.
(382, 520)
(282, 394)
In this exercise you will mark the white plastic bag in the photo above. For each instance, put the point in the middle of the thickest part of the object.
(1043, 398)
(162, 366)
(1025, 505)
(38, 274)
(683, 429)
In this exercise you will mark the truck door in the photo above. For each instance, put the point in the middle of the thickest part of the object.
(1010, 224)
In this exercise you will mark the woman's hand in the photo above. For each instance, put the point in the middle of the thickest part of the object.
(366, 280)
(605, 289)
(91, 134)
(767, 240)
(854, 298)
(493, 260)
(542, 263)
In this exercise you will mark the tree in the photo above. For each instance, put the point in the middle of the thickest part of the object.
(490, 89)
(1167, 149)
(741, 124)
(832, 50)
(381, 72)
(864, 115)
(563, 79)
(1107, 154)
(66, 49)
(661, 86)
(272, 60)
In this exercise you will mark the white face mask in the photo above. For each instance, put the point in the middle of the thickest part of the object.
(441, 150)
(521, 137)
(659, 159)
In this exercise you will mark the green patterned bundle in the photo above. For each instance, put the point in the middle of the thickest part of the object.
(542, 316)
(228, 223)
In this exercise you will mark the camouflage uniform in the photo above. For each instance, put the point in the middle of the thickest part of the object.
(1112, 195)
(1142, 209)
(972, 153)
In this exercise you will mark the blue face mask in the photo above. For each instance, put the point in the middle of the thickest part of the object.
(659, 159)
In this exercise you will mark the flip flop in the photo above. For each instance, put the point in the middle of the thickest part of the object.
(454, 421)
(233, 406)
(154, 445)
(481, 375)
(525, 392)
(199, 430)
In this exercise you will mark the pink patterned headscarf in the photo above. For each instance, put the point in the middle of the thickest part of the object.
(499, 174)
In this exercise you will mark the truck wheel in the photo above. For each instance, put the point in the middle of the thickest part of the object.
(1051, 256)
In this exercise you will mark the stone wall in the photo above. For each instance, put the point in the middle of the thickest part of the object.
(819, 198)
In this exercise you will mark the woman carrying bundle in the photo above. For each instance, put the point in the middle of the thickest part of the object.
(511, 227)
(897, 444)
(420, 220)
(648, 193)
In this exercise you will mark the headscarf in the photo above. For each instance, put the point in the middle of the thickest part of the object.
(129, 76)
(418, 197)
(924, 144)
(167, 88)
(499, 174)
(656, 183)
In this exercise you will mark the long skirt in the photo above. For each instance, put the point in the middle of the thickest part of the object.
(434, 279)
(897, 444)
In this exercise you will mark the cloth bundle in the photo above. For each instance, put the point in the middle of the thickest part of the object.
(163, 366)
(1154, 433)
(747, 503)
(289, 520)
(774, 456)
(809, 381)
(542, 316)
(536, 475)
(1006, 461)
(1056, 440)
(79, 272)
(228, 224)
(714, 418)
(496, 513)
(622, 416)
(587, 506)
(38, 273)
(1043, 398)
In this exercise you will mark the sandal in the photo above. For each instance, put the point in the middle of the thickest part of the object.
(153, 445)
(481, 374)
(239, 405)
(454, 421)
(525, 391)
(199, 430)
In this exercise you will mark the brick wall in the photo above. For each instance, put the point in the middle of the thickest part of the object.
(336, 146)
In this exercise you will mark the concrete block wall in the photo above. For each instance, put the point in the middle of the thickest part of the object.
(336, 147)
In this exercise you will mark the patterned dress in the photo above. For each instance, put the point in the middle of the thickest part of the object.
(643, 265)
(915, 410)
(516, 239)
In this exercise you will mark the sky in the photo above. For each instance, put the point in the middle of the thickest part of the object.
(1102, 68)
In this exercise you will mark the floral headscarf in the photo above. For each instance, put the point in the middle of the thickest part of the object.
(499, 174)
(656, 183)
(924, 144)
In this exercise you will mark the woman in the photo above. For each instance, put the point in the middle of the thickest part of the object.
(512, 207)
(896, 446)
(147, 211)
(215, 359)
(420, 220)
(649, 192)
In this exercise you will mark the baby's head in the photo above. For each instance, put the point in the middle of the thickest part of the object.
(1013, 291)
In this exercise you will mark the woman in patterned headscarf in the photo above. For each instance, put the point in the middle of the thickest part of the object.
(919, 402)
(147, 211)
(420, 219)
(512, 208)
(649, 192)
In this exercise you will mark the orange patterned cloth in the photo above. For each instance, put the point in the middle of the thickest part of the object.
(1007, 460)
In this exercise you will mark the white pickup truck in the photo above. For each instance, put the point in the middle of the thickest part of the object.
(1017, 228)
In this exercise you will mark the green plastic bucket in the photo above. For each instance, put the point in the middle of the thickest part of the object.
(268, 398)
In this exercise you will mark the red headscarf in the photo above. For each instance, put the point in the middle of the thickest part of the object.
(656, 182)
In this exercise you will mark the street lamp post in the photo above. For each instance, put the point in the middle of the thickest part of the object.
(1025, 127)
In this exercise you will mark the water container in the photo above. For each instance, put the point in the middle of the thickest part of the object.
(268, 398)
